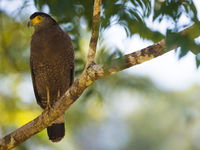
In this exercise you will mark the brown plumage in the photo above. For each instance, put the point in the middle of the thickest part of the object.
(52, 66)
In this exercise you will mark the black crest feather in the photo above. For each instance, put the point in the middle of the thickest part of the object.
(39, 14)
(42, 14)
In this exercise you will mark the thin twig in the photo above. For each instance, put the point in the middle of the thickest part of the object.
(95, 32)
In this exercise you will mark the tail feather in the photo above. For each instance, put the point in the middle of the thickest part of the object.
(56, 132)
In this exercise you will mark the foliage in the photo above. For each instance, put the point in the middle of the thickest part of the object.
(13, 53)
(133, 15)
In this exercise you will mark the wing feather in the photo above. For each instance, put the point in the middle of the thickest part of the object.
(38, 98)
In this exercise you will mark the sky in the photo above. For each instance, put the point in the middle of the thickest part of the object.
(166, 71)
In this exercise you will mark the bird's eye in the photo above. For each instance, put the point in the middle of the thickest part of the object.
(39, 18)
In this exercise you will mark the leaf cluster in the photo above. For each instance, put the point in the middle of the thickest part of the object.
(135, 16)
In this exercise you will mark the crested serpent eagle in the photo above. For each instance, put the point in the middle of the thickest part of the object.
(52, 66)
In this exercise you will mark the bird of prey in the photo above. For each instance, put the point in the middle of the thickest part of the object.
(52, 66)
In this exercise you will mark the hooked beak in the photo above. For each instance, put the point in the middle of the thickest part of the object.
(30, 23)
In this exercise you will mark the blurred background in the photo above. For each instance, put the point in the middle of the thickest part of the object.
(154, 105)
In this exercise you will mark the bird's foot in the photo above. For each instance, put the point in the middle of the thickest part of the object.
(48, 107)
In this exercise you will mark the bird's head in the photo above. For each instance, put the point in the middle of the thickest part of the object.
(40, 19)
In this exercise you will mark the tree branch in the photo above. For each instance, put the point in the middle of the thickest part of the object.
(147, 53)
(95, 32)
(92, 73)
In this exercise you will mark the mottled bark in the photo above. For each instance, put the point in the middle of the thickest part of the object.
(95, 32)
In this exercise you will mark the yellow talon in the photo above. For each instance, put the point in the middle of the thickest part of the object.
(48, 99)
(58, 94)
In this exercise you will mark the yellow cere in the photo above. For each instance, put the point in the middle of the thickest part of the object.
(37, 20)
